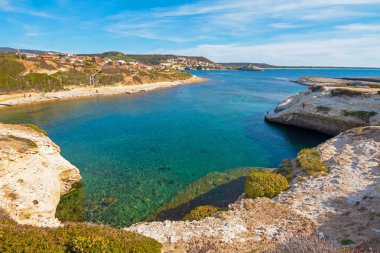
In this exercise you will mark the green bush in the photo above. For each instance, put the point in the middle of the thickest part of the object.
(261, 184)
(310, 161)
(347, 241)
(42, 82)
(77, 237)
(201, 212)
(362, 115)
(323, 109)
(73, 77)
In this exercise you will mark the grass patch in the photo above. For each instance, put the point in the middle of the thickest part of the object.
(201, 212)
(261, 184)
(35, 128)
(310, 161)
(323, 109)
(362, 115)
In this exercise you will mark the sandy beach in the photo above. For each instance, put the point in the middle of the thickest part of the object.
(8, 100)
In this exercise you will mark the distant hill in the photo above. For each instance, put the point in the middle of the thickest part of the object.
(148, 59)
(238, 65)
(245, 64)
(31, 51)
(154, 59)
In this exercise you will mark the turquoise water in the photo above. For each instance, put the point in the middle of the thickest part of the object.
(140, 150)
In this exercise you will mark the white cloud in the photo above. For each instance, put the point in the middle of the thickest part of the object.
(7, 6)
(361, 52)
(360, 27)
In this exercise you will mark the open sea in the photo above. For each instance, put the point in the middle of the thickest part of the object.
(140, 150)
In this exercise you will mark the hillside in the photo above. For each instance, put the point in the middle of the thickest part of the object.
(54, 72)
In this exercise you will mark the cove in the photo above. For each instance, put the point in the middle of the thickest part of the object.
(136, 152)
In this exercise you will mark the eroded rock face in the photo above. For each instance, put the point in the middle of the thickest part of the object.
(33, 175)
(330, 110)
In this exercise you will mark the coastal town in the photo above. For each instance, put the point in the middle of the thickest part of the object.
(118, 59)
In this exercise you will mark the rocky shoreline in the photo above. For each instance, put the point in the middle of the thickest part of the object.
(342, 205)
(33, 175)
(330, 106)
(334, 209)
(88, 92)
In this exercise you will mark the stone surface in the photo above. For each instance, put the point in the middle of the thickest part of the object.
(33, 175)
(323, 109)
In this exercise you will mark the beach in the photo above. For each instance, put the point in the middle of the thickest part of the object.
(21, 98)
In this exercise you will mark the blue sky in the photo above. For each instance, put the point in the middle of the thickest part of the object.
(282, 32)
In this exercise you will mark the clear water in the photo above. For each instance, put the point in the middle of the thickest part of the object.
(142, 149)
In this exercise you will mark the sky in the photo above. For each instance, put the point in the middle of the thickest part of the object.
(280, 32)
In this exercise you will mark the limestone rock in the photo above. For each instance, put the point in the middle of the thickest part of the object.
(33, 175)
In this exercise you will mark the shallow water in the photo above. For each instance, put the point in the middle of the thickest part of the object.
(140, 150)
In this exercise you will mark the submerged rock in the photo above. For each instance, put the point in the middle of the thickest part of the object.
(33, 175)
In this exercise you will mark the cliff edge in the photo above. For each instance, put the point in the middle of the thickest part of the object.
(33, 175)
(331, 107)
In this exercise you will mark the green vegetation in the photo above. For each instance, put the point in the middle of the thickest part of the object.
(42, 82)
(14, 77)
(204, 185)
(310, 161)
(200, 213)
(323, 109)
(347, 241)
(73, 238)
(362, 115)
(35, 128)
(73, 77)
(29, 143)
(117, 56)
(261, 184)
(103, 79)
(10, 70)
(70, 207)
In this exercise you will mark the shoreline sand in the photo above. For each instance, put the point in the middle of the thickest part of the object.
(9, 100)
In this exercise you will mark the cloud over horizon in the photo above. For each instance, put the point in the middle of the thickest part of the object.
(282, 32)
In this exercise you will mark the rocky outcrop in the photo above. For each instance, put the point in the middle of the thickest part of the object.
(33, 175)
(342, 205)
(340, 82)
(345, 203)
(329, 110)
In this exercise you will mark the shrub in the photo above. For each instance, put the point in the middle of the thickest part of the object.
(42, 82)
(347, 241)
(310, 161)
(77, 237)
(323, 109)
(201, 212)
(315, 88)
(261, 184)
(362, 115)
